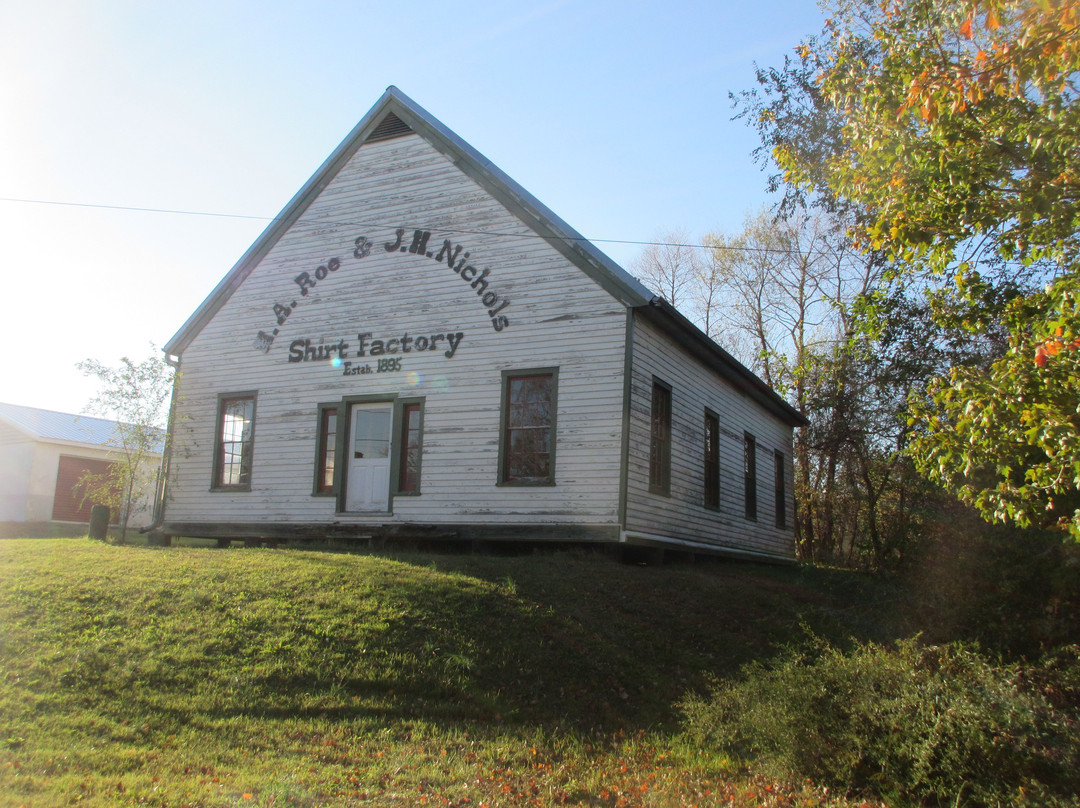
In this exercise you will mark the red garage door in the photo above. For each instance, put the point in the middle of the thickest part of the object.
(68, 505)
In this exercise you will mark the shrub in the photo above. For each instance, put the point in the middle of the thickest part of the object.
(912, 724)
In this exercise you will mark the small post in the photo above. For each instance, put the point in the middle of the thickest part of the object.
(99, 522)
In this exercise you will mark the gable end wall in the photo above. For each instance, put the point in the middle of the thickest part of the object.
(560, 317)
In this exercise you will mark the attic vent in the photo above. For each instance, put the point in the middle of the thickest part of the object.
(391, 126)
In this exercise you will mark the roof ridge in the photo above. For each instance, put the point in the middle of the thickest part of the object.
(533, 213)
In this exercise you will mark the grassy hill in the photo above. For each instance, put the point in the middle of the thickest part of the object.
(204, 677)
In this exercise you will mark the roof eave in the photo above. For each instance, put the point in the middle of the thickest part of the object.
(30, 433)
(668, 318)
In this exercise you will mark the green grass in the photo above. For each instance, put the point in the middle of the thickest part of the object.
(205, 677)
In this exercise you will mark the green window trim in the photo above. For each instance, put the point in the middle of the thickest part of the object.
(750, 475)
(408, 423)
(711, 461)
(234, 452)
(660, 438)
(326, 450)
(527, 425)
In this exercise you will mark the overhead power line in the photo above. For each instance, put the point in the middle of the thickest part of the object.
(322, 224)
(129, 207)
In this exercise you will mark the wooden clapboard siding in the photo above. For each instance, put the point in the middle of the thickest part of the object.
(682, 515)
(559, 317)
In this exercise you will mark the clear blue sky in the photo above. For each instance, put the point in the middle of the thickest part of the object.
(615, 115)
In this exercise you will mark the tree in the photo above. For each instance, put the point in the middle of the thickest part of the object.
(134, 395)
(1014, 456)
(790, 286)
(780, 295)
(953, 138)
(669, 267)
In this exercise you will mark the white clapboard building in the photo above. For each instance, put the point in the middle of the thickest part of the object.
(417, 347)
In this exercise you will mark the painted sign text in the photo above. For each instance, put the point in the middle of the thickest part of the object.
(455, 257)
(307, 350)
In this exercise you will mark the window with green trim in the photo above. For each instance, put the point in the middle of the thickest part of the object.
(780, 490)
(660, 439)
(409, 447)
(326, 449)
(527, 442)
(712, 460)
(234, 441)
(750, 474)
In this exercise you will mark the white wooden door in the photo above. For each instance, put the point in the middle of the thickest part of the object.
(368, 487)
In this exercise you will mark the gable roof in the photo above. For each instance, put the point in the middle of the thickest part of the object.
(394, 115)
(62, 427)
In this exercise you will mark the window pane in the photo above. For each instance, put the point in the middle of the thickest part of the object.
(530, 403)
(528, 454)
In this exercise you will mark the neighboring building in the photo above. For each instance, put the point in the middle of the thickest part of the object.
(43, 455)
(418, 347)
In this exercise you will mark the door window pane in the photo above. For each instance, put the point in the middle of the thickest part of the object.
(371, 434)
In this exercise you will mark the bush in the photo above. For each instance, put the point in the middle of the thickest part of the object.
(1014, 592)
(912, 724)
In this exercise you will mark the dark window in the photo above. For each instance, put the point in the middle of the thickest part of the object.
(780, 491)
(409, 460)
(528, 434)
(712, 460)
(660, 440)
(750, 474)
(326, 451)
(235, 441)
